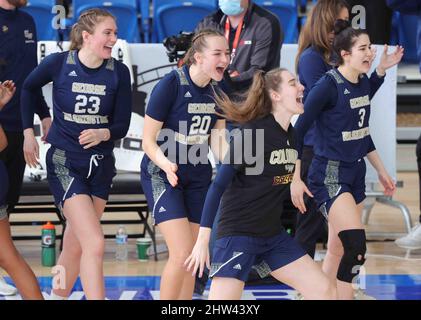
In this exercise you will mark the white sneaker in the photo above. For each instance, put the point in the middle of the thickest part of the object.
(412, 240)
(361, 295)
(7, 289)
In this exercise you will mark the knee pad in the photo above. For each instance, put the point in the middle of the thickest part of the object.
(355, 248)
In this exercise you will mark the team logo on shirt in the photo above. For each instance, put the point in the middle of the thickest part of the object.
(187, 95)
(359, 102)
(89, 88)
(283, 156)
(346, 91)
(28, 36)
(286, 179)
(72, 74)
(201, 108)
(290, 168)
(5, 28)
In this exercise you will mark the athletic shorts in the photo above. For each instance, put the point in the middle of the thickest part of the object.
(186, 200)
(328, 179)
(235, 256)
(71, 174)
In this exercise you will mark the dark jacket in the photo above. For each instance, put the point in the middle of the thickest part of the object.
(18, 57)
(260, 43)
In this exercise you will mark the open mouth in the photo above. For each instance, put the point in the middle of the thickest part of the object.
(299, 99)
(220, 70)
(366, 63)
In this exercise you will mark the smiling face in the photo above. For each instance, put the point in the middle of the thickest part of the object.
(102, 40)
(361, 55)
(289, 95)
(214, 57)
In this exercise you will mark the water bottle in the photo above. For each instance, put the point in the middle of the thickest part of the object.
(121, 243)
(48, 244)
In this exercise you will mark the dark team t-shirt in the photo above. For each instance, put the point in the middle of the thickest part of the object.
(253, 203)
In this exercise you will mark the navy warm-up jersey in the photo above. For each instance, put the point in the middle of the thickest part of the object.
(186, 110)
(341, 110)
(83, 98)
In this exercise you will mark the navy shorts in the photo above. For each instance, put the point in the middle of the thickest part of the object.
(72, 174)
(327, 179)
(4, 187)
(235, 256)
(185, 200)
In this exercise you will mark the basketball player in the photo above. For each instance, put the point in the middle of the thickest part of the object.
(175, 171)
(92, 109)
(339, 104)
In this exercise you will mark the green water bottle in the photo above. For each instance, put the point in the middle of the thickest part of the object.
(48, 244)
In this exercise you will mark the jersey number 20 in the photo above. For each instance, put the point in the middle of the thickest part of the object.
(200, 125)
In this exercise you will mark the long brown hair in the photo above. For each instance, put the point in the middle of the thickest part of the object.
(256, 102)
(198, 43)
(87, 21)
(319, 25)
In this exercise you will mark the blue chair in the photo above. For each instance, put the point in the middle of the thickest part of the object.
(146, 23)
(40, 10)
(287, 12)
(172, 16)
(404, 33)
(125, 12)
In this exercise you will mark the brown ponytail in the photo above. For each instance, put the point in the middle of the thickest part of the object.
(87, 22)
(256, 102)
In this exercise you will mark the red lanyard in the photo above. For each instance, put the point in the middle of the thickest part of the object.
(236, 38)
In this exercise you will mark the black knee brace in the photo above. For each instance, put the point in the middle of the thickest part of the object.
(353, 242)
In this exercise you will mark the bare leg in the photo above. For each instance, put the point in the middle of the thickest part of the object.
(82, 217)
(70, 256)
(179, 239)
(226, 289)
(305, 276)
(187, 289)
(343, 215)
(16, 267)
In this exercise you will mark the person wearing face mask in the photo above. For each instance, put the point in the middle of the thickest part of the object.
(339, 104)
(315, 57)
(92, 109)
(254, 36)
(18, 57)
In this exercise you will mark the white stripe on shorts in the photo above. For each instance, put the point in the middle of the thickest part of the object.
(225, 263)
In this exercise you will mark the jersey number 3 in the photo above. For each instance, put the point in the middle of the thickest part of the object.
(82, 106)
(362, 116)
